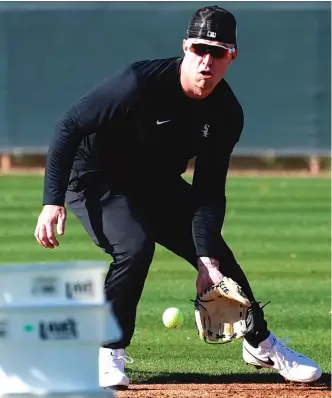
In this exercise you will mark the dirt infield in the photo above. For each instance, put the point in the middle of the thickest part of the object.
(223, 391)
(275, 389)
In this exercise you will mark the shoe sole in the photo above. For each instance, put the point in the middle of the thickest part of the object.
(302, 381)
(288, 380)
(117, 388)
(260, 367)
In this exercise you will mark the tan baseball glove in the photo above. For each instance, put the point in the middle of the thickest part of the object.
(221, 312)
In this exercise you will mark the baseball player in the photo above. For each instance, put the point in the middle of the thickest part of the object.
(116, 160)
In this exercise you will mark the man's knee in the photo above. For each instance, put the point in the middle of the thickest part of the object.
(135, 250)
(131, 262)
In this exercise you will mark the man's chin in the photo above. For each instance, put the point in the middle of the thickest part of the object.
(205, 84)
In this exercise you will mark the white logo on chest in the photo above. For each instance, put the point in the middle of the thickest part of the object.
(205, 130)
(158, 122)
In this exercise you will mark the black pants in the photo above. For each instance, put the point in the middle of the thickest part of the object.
(127, 226)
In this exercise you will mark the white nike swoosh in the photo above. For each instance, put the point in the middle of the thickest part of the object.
(267, 362)
(162, 122)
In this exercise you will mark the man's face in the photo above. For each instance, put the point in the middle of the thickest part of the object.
(206, 62)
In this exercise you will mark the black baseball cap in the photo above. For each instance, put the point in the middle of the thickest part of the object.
(213, 23)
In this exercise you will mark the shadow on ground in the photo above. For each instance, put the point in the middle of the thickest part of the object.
(200, 378)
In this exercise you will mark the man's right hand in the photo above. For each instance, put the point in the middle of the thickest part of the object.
(50, 216)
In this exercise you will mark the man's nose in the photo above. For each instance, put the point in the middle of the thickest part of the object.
(208, 59)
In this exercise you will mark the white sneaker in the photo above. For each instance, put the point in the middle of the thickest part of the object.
(271, 353)
(111, 368)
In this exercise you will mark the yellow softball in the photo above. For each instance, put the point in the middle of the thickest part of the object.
(173, 318)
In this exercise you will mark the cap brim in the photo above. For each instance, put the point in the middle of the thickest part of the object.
(208, 42)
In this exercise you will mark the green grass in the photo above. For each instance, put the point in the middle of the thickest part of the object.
(279, 229)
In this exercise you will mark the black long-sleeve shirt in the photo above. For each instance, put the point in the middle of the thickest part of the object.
(138, 125)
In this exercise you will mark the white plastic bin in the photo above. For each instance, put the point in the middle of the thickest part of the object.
(80, 281)
(53, 348)
(83, 394)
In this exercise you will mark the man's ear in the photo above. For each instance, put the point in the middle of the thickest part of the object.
(184, 45)
(233, 56)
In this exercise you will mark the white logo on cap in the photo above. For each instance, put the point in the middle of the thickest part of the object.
(211, 34)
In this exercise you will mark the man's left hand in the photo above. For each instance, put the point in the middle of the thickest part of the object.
(220, 307)
(208, 273)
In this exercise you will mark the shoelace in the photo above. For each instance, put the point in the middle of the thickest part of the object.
(118, 362)
(285, 340)
(280, 354)
(124, 358)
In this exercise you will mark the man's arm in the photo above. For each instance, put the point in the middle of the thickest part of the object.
(209, 186)
(69, 132)
(99, 109)
(209, 183)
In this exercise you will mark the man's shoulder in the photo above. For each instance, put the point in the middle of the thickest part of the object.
(126, 84)
(229, 96)
(154, 68)
(118, 86)
(226, 99)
